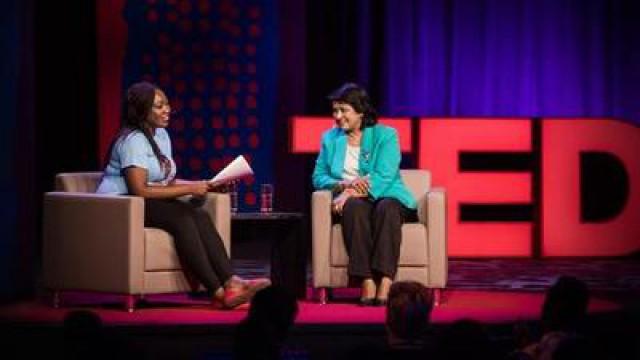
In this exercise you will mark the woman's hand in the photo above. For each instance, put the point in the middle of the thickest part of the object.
(220, 188)
(196, 186)
(361, 185)
(199, 188)
(338, 202)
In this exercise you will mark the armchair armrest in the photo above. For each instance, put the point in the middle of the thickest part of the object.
(218, 205)
(321, 237)
(435, 217)
(93, 242)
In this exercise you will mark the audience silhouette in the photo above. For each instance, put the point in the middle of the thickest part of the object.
(262, 334)
(562, 319)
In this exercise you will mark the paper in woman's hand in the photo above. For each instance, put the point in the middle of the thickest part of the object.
(237, 169)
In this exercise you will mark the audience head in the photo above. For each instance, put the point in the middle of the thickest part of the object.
(466, 339)
(85, 338)
(274, 306)
(358, 99)
(82, 324)
(408, 310)
(261, 335)
(565, 305)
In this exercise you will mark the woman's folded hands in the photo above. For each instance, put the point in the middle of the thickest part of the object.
(358, 187)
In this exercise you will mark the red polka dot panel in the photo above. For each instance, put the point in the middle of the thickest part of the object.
(152, 16)
(254, 140)
(177, 124)
(232, 121)
(195, 164)
(197, 123)
(217, 123)
(198, 143)
(250, 198)
(234, 140)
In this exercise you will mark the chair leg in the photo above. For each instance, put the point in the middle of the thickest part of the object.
(437, 296)
(130, 303)
(322, 295)
(55, 299)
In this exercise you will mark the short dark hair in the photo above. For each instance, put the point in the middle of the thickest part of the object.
(358, 98)
(408, 309)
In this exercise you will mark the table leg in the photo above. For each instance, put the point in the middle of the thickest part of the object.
(289, 258)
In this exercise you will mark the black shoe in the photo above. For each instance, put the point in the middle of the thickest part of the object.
(367, 301)
(380, 302)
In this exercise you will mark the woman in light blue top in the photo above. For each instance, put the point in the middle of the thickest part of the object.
(359, 161)
(140, 164)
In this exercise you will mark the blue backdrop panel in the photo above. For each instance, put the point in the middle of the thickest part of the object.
(216, 61)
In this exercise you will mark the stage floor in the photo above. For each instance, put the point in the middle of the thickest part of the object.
(497, 293)
(488, 290)
(492, 307)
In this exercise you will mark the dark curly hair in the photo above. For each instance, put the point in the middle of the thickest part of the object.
(358, 98)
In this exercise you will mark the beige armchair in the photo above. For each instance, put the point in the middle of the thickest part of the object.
(423, 252)
(96, 242)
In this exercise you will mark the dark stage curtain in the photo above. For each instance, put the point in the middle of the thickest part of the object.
(480, 58)
(48, 125)
(16, 149)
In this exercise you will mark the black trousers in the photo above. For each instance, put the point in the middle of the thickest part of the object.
(372, 233)
(198, 244)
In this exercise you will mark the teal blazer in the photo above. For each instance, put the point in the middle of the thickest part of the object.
(379, 159)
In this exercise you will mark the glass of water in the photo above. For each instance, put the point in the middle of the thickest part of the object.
(233, 195)
(266, 198)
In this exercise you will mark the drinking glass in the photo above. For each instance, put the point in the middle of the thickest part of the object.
(266, 198)
(233, 195)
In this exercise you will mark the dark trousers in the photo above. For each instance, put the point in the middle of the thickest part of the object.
(372, 233)
(198, 244)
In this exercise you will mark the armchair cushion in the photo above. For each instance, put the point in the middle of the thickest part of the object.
(160, 251)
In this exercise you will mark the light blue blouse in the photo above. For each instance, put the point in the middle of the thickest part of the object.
(134, 149)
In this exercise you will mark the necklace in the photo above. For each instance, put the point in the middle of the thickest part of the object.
(354, 139)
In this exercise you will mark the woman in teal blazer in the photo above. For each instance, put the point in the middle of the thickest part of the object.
(359, 161)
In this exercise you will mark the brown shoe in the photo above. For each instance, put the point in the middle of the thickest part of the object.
(235, 297)
(220, 305)
(258, 284)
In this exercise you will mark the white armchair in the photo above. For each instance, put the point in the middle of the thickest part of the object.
(96, 242)
(423, 252)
